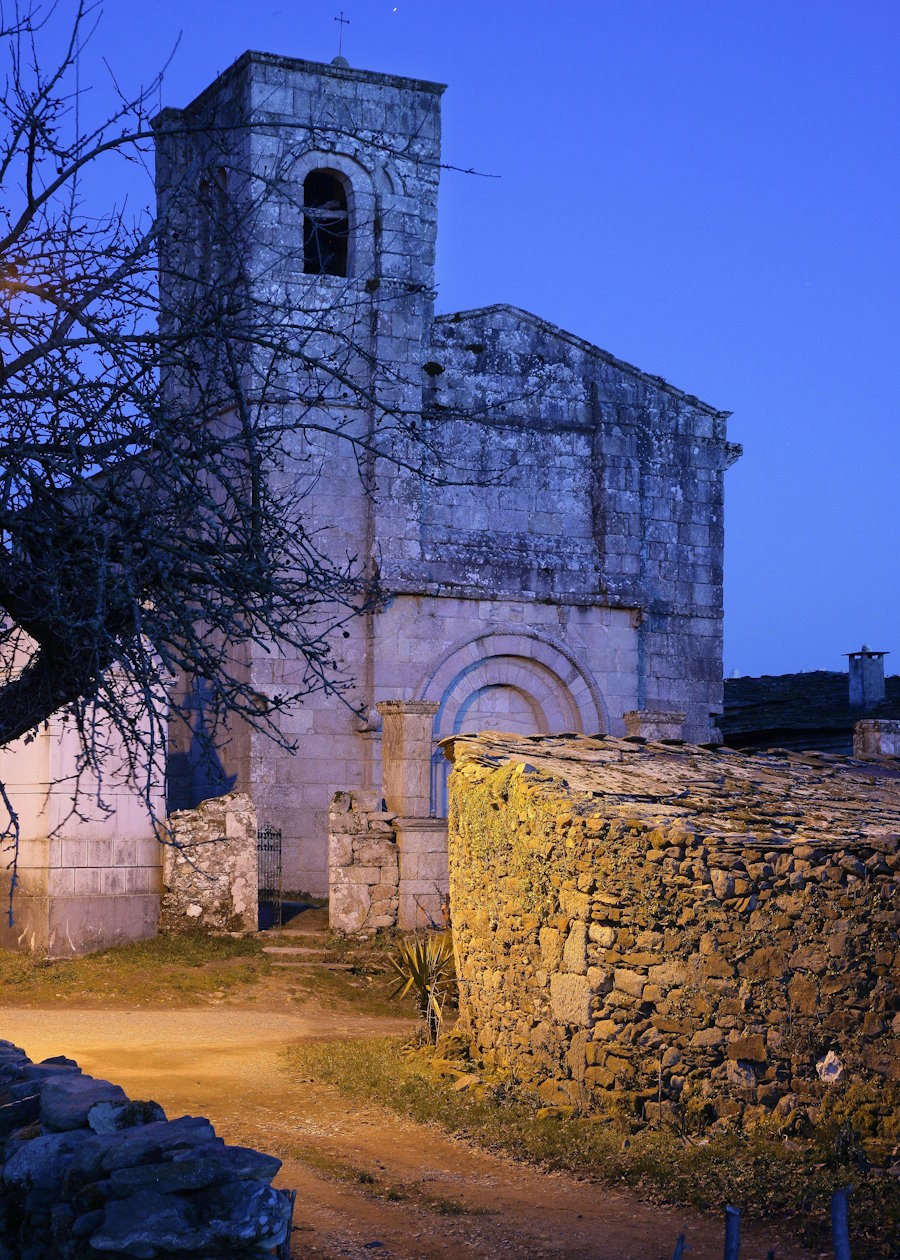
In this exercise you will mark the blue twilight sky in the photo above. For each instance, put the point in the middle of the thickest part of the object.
(727, 173)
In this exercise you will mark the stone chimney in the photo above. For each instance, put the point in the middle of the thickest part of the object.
(866, 677)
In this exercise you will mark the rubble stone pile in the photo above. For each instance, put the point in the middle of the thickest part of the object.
(209, 867)
(711, 932)
(86, 1172)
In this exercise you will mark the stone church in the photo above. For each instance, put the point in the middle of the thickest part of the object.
(557, 567)
(581, 583)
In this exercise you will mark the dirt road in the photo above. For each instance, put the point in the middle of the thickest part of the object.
(368, 1183)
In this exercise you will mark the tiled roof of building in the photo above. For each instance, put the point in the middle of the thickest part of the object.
(793, 709)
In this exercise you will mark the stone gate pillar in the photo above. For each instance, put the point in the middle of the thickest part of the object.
(406, 755)
(406, 785)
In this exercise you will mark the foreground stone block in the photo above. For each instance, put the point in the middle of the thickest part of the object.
(118, 1179)
(66, 1100)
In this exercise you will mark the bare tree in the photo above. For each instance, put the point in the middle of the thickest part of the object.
(154, 467)
(142, 533)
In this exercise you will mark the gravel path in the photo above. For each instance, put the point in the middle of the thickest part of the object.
(368, 1183)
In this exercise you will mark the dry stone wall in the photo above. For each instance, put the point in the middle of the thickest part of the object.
(86, 1172)
(363, 864)
(209, 867)
(697, 928)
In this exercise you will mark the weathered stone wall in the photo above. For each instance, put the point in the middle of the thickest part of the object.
(86, 1172)
(363, 867)
(701, 926)
(88, 874)
(384, 871)
(210, 867)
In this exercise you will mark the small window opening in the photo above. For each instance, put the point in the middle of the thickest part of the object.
(325, 225)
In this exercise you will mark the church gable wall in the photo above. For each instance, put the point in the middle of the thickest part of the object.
(616, 460)
(611, 490)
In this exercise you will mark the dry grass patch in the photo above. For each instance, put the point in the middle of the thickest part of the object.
(768, 1178)
(197, 968)
(168, 970)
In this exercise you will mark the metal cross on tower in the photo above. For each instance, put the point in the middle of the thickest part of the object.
(343, 22)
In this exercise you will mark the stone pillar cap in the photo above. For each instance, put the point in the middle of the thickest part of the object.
(407, 706)
(673, 715)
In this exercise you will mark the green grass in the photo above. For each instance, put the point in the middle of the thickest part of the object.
(195, 968)
(168, 969)
(758, 1172)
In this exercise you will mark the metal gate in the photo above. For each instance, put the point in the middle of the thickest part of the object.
(268, 871)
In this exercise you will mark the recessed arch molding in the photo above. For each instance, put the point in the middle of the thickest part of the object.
(562, 692)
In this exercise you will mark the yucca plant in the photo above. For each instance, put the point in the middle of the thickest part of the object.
(425, 965)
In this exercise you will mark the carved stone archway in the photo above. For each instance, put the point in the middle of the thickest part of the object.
(520, 680)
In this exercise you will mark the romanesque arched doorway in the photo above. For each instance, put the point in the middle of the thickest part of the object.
(522, 682)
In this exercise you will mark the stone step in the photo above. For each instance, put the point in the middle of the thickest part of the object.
(311, 940)
(311, 962)
(292, 949)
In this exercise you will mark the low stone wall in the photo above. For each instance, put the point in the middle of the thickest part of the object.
(209, 867)
(384, 871)
(363, 866)
(86, 1172)
(693, 926)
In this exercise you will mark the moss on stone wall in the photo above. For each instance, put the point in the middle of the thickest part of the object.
(620, 929)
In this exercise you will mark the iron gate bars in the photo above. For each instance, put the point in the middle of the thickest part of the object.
(268, 870)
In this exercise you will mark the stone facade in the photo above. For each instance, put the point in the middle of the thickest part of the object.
(572, 575)
(700, 927)
(210, 867)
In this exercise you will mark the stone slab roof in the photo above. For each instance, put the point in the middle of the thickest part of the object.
(482, 314)
(723, 795)
(786, 707)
